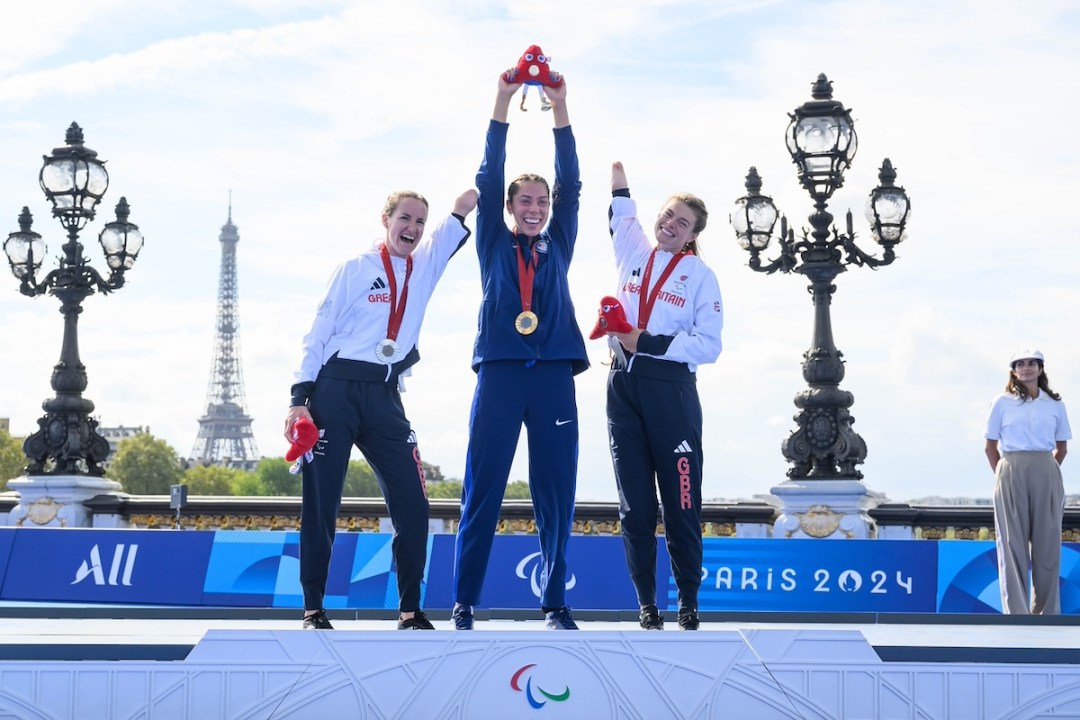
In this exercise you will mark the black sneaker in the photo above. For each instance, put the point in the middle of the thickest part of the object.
(419, 621)
(650, 618)
(462, 617)
(317, 621)
(688, 619)
(561, 619)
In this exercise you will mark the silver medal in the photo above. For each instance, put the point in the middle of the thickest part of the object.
(387, 352)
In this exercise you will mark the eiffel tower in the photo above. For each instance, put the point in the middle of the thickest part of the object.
(225, 436)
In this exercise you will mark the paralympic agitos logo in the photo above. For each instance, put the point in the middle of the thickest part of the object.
(537, 696)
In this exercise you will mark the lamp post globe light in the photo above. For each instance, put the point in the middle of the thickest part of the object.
(67, 449)
(824, 496)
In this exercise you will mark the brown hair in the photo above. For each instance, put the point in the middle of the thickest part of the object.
(1015, 387)
(701, 215)
(394, 199)
(520, 180)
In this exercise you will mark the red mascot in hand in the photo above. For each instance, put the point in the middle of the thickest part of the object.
(305, 435)
(612, 319)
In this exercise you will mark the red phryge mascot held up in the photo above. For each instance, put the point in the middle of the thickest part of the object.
(612, 319)
(532, 69)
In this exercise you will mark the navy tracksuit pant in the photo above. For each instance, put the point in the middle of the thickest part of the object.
(654, 428)
(370, 415)
(509, 392)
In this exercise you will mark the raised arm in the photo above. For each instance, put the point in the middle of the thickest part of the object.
(618, 177)
(465, 203)
(507, 88)
(557, 96)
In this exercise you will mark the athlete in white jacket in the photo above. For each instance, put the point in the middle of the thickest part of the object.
(654, 415)
(363, 338)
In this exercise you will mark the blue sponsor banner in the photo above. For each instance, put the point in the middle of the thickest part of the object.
(968, 578)
(596, 574)
(159, 567)
(7, 539)
(253, 569)
(818, 575)
(262, 569)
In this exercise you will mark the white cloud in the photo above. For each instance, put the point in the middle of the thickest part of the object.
(311, 116)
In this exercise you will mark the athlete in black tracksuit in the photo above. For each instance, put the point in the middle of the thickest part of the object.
(654, 416)
(362, 341)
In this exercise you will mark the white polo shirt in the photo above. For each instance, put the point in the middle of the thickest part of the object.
(1027, 425)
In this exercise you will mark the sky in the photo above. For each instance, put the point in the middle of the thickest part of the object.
(311, 113)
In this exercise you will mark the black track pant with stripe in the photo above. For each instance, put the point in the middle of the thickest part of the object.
(371, 416)
(654, 428)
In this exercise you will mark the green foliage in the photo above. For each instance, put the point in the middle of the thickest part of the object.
(517, 490)
(274, 478)
(444, 489)
(360, 481)
(248, 485)
(144, 465)
(12, 460)
(432, 473)
(212, 479)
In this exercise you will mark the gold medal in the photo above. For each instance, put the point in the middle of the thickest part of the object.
(526, 322)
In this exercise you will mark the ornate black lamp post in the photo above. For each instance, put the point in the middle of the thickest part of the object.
(74, 181)
(822, 142)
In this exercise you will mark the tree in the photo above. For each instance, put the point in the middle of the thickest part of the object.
(212, 479)
(12, 459)
(360, 481)
(432, 473)
(248, 485)
(444, 489)
(517, 490)
(274, 477)
(145, 465)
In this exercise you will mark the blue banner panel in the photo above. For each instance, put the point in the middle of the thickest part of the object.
(818, 575)
(262, 569)
(596, 574)
(968, 578)
(253, 569)
(158, 567)
(7, 539)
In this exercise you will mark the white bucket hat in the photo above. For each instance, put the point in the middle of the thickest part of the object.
(1026, 354)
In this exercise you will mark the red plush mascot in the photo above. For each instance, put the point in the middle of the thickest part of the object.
(532, 69)
(305, 435)
(612, 319)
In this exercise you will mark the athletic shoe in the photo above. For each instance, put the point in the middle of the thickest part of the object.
(561, 620)
(317, 621)
(419, 621)
(462, 617)
(650, 618)
(688, 619)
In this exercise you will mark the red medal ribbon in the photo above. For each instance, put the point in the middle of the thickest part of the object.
(397, 311)
(526, 273)
(646, 300)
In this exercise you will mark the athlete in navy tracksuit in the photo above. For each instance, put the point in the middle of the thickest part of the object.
(654, 416)
(528, 349)
(362, 341)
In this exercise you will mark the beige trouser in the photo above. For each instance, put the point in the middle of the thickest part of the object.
(1029, 502)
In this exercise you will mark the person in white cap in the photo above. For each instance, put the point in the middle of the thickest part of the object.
(1026, 438)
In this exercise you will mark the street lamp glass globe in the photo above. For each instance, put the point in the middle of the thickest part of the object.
(887, 211)
(753, 218)
(25, 251)
(121, 240)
